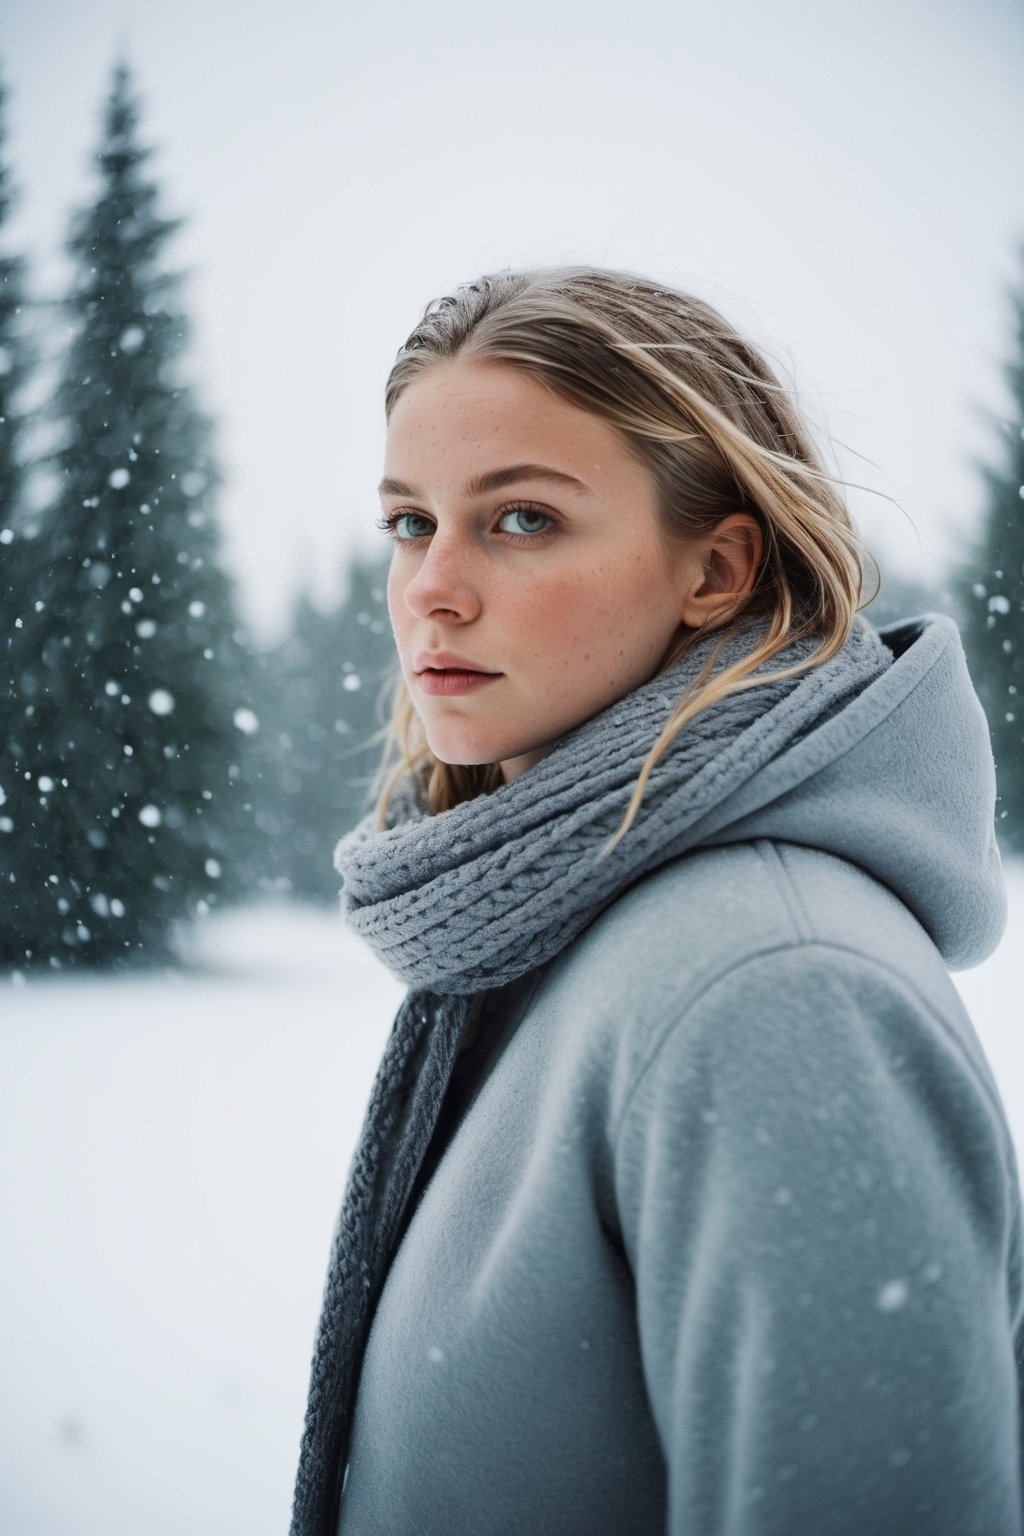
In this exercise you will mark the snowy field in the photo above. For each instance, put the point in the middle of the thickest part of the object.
(172, 1155)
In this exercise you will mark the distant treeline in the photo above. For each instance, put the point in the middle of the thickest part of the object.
(154, 760)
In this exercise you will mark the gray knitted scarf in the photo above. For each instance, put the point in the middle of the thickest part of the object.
(473, 898)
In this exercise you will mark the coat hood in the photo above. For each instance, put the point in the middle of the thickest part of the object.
(901, 782)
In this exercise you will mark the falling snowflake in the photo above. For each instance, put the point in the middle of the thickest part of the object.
(246, 721)
(892, 1296)
(118, 478)
(150, 816)
(161, 702)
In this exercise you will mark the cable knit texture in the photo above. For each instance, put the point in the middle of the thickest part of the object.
(475, 897)
(458, 903)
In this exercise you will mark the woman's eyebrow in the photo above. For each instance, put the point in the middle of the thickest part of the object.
(493, 480)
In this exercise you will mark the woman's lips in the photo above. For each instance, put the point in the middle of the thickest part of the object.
(453, 680)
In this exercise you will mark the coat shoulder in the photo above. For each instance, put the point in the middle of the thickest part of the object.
(671, 935)
(717, 942)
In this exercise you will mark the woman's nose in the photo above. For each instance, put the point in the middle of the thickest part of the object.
(445, 581)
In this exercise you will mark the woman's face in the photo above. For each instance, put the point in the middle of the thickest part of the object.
(530, 583)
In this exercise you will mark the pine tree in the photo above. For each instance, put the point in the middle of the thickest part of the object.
(323, 731)
(16, 359)
(991, 589)
(129, 664)
(15, 353)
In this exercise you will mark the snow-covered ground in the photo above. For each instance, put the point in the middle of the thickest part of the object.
(172, 1154)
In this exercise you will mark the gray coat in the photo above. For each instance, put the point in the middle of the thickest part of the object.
(721, 1231)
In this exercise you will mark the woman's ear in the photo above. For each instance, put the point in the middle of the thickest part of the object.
(730, 559)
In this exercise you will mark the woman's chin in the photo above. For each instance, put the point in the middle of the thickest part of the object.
(472, 750)
(465, 755)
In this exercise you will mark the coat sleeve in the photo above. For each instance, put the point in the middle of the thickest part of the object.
(819, 1203)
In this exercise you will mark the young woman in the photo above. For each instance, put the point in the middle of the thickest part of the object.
(685, 1201)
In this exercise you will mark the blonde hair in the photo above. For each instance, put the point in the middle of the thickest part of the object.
(700, 407)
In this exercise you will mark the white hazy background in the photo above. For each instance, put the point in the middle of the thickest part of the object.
(842, 181)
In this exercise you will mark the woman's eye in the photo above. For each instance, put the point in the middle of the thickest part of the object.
(524, 520)
(410, 525)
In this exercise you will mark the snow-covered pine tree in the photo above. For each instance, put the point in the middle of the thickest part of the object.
(991, 590)
(16, 360)
(15, 350)
(130, 664)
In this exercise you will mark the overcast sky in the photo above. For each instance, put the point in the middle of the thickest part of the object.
(842, 181)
